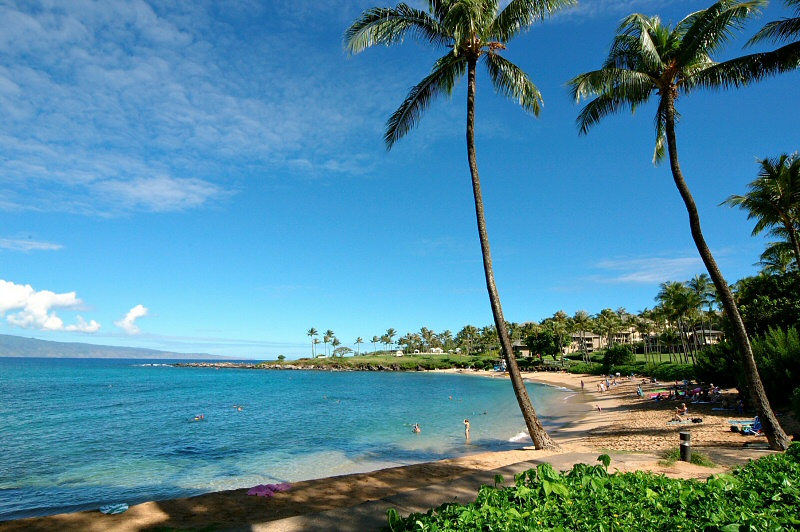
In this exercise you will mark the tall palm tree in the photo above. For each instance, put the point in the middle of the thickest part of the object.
(312, 332)
(581, 321)
(469, 31)
(647, 58)
(390, 334)
(329, 334)
(315, 342)
(375, 340)
(359, 341)
(335, 342)
(703, 289)
(774, 198)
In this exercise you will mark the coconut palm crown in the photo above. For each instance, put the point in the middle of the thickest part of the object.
(468, 31)
(648, 58)
(774, 198)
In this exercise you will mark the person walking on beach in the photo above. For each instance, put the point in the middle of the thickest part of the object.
(466, 429)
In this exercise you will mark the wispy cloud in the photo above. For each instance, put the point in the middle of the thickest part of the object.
(652, 270)
(594, 8)
(128, 323)
(26, 245)
(112, 107)
(32, 309)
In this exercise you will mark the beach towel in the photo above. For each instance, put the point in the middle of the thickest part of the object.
(112, 509)
(268, 490)
(684, 422)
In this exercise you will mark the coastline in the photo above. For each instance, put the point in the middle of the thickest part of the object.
(624, 423)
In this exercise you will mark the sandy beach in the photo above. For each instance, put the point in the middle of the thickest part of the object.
(617, 420)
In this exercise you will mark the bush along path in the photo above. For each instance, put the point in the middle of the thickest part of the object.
(762, 496)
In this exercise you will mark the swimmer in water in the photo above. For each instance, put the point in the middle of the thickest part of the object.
(466, 428)
(416, 428)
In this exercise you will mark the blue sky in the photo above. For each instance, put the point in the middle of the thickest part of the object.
(207, 177)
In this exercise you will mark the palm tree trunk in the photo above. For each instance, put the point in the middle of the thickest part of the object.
(541, 440)
(775, 435)
(795, 244)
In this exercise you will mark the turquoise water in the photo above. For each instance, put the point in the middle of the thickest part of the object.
(80, 433)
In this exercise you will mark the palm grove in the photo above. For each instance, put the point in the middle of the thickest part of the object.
(648, 59)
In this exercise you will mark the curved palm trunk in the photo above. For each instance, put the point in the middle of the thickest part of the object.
(795, 244)
(775, 435)
(541, 440)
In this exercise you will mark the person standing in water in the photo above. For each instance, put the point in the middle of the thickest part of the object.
(466, 428)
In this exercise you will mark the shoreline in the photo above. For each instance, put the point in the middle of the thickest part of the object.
(623, 423)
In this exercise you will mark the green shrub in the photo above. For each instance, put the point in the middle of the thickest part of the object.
(777, 355)
(618, 355)
(667, 372)
(763, 495)
(626, 370)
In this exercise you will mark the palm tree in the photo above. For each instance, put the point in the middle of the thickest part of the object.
(703, 289)
(390, 333)
(774, 198)
(469, 31)
(359, 341)
(334, 344)
(582, 322)
(312, 332)
(315, 342)
(778, 257)
(329, 334)
(375, 340)
(649, 58)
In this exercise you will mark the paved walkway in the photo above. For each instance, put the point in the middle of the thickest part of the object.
(372, 515)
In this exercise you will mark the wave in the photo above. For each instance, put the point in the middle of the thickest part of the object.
(522, 436)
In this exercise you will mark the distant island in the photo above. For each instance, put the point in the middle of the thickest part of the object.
(17, 346)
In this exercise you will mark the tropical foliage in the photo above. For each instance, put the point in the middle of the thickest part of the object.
(774, 199)
(763, 495)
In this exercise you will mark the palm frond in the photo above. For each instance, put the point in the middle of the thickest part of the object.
(467, 19)
(637, 45)
(752, 68)
(443, 77)
(660, 123)
(616, 90)
(710, 30)
(390, 26)
(513, 83)
(778, 31)
(519, 15)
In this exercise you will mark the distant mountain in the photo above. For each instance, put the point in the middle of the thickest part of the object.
(17, 346)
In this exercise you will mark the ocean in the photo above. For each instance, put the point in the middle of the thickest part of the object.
(76, 434)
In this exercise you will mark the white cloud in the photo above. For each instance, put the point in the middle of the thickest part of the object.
(32, 309)
(128, 323)
(22, 244)
(651, 270)
(116, 107)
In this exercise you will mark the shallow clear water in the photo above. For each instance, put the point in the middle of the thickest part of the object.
(80, 433)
